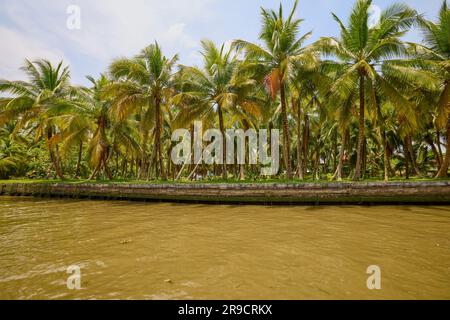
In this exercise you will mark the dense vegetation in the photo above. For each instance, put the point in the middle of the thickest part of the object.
(364, 105)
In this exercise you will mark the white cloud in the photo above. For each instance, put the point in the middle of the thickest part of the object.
(109, 29)
(17, 47)
(176, 36)
(123, 28)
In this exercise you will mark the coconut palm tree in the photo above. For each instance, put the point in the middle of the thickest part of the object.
(423, 77)
(142, 86)
(434, 57)
(13, 156)
(90, 122)
(90, 118)
(38, 101)
(215, 90)
(281, 47)
(306, 83)
(361, 49)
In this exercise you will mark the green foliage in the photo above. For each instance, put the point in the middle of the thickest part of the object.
(364, 105)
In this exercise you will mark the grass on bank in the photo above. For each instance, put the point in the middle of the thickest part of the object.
(214, 181)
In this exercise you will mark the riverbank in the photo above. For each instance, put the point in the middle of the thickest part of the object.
(429, 192)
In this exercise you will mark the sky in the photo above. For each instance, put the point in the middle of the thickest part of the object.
(109, 29)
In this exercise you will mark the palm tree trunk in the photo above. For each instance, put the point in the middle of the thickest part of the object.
(299, 141)
(143, 171)
(364, 165)
(412, 156)
(361, 133)
(106, 168)
(339, 170)
(317, 157)
(136, 169)
(94, 173)
(58, 163)
(405, 152)
(159, 162)
(116, 171)
(242, 166)
(170, 165)
(124, 168)
(80, 152)
(55, 163)
(53, 157)
(287, 142)
(439, 147)
(435, 151)
(105, 151)
(224, 143)
(192, 131)
(152, 158)
(242, 172)
(386, 156)
(335, 150)
(443, 171)
(305, 144)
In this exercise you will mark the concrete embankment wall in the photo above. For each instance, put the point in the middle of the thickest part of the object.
(404, 192)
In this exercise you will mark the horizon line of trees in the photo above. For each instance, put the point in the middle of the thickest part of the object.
(363, 105)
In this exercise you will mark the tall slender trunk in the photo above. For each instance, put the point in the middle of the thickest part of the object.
(152, 161)
(158, 154)
(124, 168)
(386, 156)
(305, 144)
(339, 170)
(192, 165)
(105, 151)
(53, 157)
(364, 164)
(170, 165)
(390, 152)
(412, 156)
(361, 133)
(443, 171)
(95, 172)
(435, 151)
(143, 171)
(317, 157)
(439, 147)
(117, 163)
(55, 164)
(136, 170)
(80, 153)
(242, 172)
(335, 150)
(299, 140)
(242, 166)
(224, 143)
(405, 152)
(105, 166)
(287, 140)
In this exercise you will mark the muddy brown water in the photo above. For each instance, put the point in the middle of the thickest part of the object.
(130, 250)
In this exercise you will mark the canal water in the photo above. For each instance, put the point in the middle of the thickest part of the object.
(128, 250)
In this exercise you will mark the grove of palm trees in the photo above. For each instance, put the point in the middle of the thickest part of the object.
(365, 105)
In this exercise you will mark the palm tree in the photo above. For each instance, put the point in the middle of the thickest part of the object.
(281, 47)
(434, 57)
(13, 156)
(90, 118)
(361, 49)
(306, 83)
(37, 103)
(143, 86)
(218, 88)
(90, 122)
